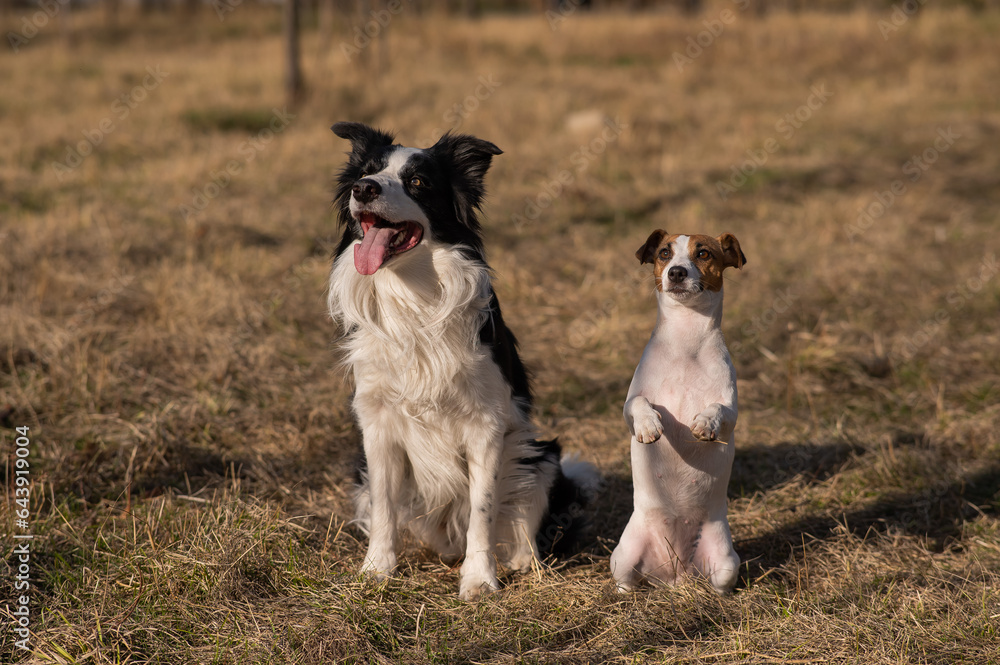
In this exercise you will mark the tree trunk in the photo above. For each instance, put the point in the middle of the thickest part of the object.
(325, 12)
(111, 8)
(294, 85)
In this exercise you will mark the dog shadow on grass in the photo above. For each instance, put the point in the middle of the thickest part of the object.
(762, 468)
(610, 513)
(756, 469)
(935, 513)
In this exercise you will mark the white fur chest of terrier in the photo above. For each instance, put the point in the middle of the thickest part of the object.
(681, 411)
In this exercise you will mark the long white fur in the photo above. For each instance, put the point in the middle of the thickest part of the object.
(442, 432)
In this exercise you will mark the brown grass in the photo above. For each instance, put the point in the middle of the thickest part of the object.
(192, 443)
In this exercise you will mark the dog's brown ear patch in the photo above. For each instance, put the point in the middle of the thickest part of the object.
(647, 253)
(731, 252)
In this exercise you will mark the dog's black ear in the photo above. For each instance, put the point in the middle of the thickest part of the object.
(731, 251)
(647, 253)
(363, 138)
(469, 158)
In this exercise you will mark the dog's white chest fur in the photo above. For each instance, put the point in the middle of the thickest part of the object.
(411, 354)
(685, 374)
(680, 474)
(412, 326)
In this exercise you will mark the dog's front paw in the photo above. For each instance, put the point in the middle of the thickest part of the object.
(648, 427)
(472, 590)
(378, 570)
(706, 426)
(479, 578)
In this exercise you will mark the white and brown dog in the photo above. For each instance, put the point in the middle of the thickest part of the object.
(681, 412)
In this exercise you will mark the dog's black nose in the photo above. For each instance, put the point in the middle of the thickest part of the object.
(677, 274)
(366, 190)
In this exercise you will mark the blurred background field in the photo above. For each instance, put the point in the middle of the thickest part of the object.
(165, 234)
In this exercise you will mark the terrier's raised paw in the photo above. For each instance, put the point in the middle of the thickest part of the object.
(706, 427)
(648, 428)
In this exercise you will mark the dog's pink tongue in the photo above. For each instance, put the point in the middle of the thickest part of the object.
(369, 255)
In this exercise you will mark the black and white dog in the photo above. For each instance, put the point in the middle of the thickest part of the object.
(441, 396)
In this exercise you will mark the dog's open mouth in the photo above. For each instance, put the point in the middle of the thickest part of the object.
(383, 239)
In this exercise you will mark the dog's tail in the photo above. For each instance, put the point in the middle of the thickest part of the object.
(573, 490)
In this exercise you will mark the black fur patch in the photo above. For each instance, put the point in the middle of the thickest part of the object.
(503, 345)
(565, 523)
(563, 528)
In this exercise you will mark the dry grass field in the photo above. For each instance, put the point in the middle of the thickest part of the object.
(165, 233)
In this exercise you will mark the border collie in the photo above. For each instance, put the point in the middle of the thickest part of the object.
(441, 397)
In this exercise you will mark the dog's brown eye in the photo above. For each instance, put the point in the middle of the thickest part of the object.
(416, 182)
(665, 253)
(704, 254)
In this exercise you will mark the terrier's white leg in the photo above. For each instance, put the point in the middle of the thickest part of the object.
(627, 557)
(715, 557)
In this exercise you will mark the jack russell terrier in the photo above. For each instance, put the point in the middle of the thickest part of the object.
(681, 412)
